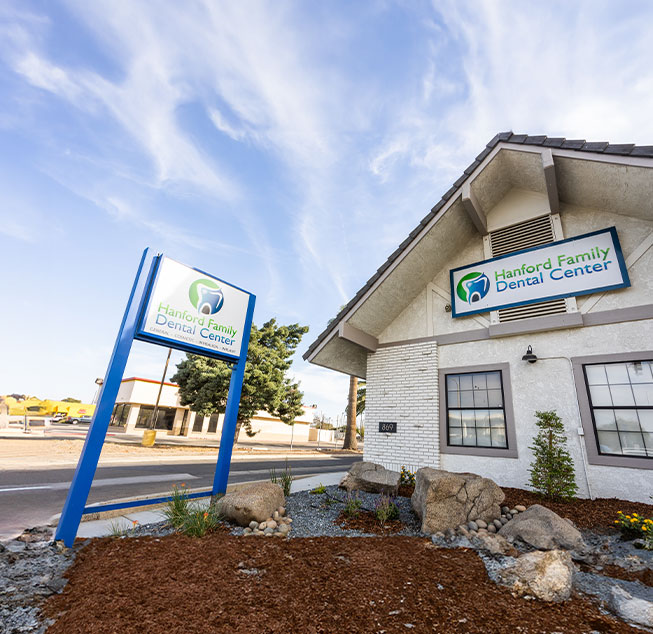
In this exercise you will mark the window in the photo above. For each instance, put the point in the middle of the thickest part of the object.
(164, 418)
(120, 414)
(476, 411)
(615, 399)
(213, 424)
(621, 404)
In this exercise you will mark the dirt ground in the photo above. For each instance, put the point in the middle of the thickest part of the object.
(222, 583)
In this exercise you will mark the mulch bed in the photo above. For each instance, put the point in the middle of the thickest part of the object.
(366, 522)
(598, 515)
(644, 576)
(222, 583)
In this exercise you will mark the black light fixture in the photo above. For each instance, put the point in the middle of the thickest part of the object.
(529, 356)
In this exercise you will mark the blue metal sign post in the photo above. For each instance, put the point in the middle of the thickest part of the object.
(80, 487)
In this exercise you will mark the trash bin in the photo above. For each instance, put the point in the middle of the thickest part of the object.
(149, 436)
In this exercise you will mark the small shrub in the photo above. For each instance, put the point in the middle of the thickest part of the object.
(200, 521)
(284, 479)
(318, 490)
(352, 505)
(407, 477)
(176, 510)
(552, 470)
(118, 529)
(634, 526)
(385, 509)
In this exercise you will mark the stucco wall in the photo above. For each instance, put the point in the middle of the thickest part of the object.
(546, 385)
(402, 387)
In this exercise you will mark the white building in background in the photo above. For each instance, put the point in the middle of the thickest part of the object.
(135, 403)
(452, 387)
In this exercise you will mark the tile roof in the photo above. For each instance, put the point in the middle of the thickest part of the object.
(580, 145)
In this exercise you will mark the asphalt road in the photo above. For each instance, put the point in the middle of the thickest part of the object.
(31, 497)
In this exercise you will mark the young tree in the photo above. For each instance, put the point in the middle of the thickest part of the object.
(552, 469)
(204, 382)
(360, 397)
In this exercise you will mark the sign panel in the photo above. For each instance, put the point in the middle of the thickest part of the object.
(388, 428)
(581, 265)
(193, 311)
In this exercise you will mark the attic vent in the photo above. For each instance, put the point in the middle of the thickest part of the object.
(531, 233)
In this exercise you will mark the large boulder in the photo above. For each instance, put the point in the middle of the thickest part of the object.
(443, 499)
(252, 502)
(545, 575)
(371, 477)
(632, 609)
(543, 529)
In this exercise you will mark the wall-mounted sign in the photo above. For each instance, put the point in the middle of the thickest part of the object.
(388, 428)
(193, 311)
(590, 263)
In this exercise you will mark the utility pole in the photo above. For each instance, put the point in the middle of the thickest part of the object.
(158, 397)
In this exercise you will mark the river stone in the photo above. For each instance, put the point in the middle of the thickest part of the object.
(372, 478)
(543, 529)
(255, 501)
(494, 544)
(545, 575)
(443, 499)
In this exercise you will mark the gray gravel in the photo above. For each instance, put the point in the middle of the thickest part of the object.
(314, 515)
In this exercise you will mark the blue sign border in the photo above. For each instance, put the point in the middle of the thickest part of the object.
(74, 506)
(618, 252)
(141, 335)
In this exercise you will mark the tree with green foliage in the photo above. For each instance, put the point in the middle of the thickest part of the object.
(552, 470)
(204, 382)
(70, 399)
(360, 397)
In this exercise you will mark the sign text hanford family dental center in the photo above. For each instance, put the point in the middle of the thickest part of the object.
(201, 312)
(585, 264)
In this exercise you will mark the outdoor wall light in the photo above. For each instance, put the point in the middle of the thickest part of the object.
(529, 356)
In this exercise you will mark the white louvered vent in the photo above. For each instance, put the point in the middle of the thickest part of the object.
(531, 233)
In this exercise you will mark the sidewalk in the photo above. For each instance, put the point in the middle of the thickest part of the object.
(105, 527)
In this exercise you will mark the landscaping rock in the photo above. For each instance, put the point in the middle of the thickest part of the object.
(545, 575)
(372, 478)
(520, 508)
(492, 528)
(543, 529)
(251, 502)
(494, 544)
(631, 609)
(443, 499)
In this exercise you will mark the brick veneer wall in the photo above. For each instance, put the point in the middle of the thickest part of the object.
(402, 387)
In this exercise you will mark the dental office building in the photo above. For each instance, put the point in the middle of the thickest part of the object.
(529, 286)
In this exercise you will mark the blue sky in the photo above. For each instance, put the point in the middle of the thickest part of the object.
(287, 147)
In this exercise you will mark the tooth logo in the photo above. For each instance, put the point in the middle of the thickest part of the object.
(206, 296)
(473, 287)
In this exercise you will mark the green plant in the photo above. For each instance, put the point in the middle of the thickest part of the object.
(633, 526)
(118, 529)
(284, 479)
(177, 508)
(361, 432)
(648, 541)
(318, 490)
(407, 477)
(352, 505)
(200, 521)
(385, 509)
(552, 470)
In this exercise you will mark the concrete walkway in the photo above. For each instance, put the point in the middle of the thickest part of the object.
(106, 527)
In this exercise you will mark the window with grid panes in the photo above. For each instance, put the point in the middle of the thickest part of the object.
(476, 414)
(621, 402)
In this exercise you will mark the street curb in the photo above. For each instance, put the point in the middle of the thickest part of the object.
(90, 517)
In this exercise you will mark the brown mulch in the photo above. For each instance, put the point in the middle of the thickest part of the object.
(366, 522)
(598, 514)
(222, 583)
(644, 576)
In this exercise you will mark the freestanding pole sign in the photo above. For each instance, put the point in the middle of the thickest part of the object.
(178, 307)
